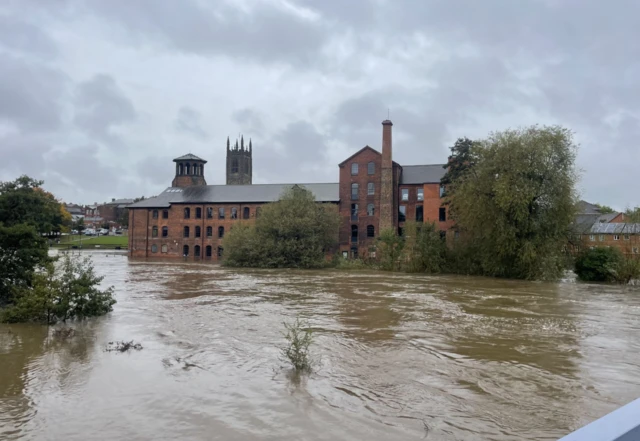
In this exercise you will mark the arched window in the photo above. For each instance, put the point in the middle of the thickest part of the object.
(370, 209)
(371, 189)
(220, 251)
(371, 231)
(234, 165)
(354, 212)
(221, 213)
(207, 251)
(165, 214)
(154, 231)
(209, 231)
(221, 232)
(354, 168)
(180, 169)
(245, 213)
(165, 231)
(185, 232)
(198, 213)
(198, 231)
(234, 213)
(196, 251)
(154, 214)
(154, 248)
(209, 212)
(164, 248)
(185, 250)
(371, 168)
(354, 233)
(354, 191)
(187, 213)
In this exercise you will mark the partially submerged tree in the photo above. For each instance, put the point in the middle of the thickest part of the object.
(517, 205)
(294, 232)
(389, 249)
(460, 162)
(424, 249)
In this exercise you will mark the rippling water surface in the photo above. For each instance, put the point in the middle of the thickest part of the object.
(397, 357)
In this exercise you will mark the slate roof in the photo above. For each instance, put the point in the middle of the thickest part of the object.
(189, 157)
(120, 202)
(615, 228)
(203, 194)
(422, 174)
(586, 221)
(585, 207)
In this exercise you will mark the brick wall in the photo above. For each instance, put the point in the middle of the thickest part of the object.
(630, 246)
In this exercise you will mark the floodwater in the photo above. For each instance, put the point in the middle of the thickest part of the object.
(396, 357)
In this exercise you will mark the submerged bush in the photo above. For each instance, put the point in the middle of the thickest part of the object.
(599, 264)
(299, 337)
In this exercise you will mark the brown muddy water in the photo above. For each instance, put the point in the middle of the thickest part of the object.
(397, 357)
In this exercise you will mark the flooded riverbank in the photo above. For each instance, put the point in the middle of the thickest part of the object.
(397, 357)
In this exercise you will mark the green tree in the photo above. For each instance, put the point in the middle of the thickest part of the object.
(605, 209)
(517, 205)
(22, 250)
(68, 289)
(461, 161)
(389, 250)
(294, 232)
(633, 215)
(78, 225)
(599, 264)
(23, 201)
(424, 249)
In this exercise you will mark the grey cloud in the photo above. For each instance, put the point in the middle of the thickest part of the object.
(261, 32)
(100, 105)
(250, 120)
(20, 36)
(31, 94)
(189, 121)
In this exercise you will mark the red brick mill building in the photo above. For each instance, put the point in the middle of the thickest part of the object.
(190, 218)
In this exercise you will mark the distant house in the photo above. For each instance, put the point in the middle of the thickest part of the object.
(112, 211)
(591, 228)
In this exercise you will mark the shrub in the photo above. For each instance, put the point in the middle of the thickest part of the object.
(298, 341)
(599, 264)
(424, 249)
(389, 250)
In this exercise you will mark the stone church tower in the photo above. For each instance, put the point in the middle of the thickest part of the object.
(239, 168)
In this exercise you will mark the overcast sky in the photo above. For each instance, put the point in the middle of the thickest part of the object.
(97, 97)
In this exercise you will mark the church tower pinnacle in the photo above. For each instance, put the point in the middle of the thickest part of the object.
(239, 163)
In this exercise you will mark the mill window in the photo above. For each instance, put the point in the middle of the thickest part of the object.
(154, 248)
(442, 214)
(419, 213)
(187, 213)
(221, 213)
(165, 231)
(354, 234)
(185, 232)
(198, 231)
(245, 213)
(196, 251)
(354, 212)
(371, 189)
(354, 169)
(185, 250)
(154, 214)
(234, 213)
(371, 168)
(402, 213)
(371, 231)
(442, 191)
(220, 232)
(154, 232)
(370, 209)
(209, 231)
(354, 191)
(164, 248)
(207, 251)
(220, 251)
(198, 213)
(209, 212)
(165, 214)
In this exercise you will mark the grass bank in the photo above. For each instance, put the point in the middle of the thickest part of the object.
(92, 242)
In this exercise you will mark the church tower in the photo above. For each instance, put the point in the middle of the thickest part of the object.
(239, 168)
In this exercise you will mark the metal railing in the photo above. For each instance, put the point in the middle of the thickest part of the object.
(622, 424)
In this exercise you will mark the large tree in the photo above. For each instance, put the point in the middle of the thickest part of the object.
(460, 162)
(294, 232)
(516, 207)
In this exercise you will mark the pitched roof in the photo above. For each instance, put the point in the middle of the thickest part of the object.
(422, 174)
(366, 147)
(189, 157)
(585, 207)
(227, 194)
(615, 228)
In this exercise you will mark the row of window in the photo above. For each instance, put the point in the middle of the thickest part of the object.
(592, 238)
(186, 231)
(404, 193)
(371, 168)
(634, 250)
(208, 250)
(246, 213)
(187, 169)
(355, 190)
(402, 213)
(371, 232)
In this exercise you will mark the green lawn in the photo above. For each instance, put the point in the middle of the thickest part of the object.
(90, 241)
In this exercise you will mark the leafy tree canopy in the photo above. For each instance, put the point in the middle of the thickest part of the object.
(517, 205)
(605, 209)
(293, 232)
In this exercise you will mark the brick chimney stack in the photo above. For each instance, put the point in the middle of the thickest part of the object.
(386, 184)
